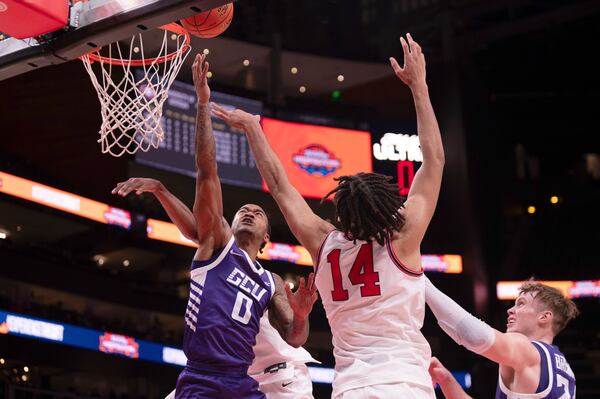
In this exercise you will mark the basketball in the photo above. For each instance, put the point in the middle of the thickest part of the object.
(210, 23)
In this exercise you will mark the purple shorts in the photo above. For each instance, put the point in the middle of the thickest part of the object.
(193, 384)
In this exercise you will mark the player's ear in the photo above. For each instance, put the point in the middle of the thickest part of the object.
(546, 317)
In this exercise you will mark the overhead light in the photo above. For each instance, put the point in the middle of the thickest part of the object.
(531, 209)
(26, 369)
(294, 70)
(126, 263)
(24, 377)
(302, 89)
(291, 284)
(554, 199)
(2, 361)
(19, 228)
(136, 50)
(206, 51)
(246, 62)
(340, 78)
(173, 36)
(209, 74)
(99, 259)
(3, 235)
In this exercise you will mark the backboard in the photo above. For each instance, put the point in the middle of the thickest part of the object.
(92, 24)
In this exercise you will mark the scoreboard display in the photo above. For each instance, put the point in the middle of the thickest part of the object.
(176, 152)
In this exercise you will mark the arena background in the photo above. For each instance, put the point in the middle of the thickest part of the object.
(516, 88)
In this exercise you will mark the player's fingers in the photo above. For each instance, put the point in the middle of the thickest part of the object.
(311, 281)
(217, 107)
(117, 187)
(405, 47)
(395, 66)
(414, 47)
(301, 283)
(205, 69)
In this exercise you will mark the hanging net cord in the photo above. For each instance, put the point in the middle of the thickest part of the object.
(131, 108)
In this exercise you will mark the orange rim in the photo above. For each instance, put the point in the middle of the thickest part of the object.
(172, 27)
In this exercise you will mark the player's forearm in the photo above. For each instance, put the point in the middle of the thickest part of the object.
(178, 212)
(297, 333)
(206, 151)
(427, 125)
(460, 325)
(269, 165)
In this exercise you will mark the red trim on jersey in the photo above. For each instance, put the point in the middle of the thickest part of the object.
(321, 250)
(399, 264)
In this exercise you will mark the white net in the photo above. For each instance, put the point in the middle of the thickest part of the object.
(132, 100)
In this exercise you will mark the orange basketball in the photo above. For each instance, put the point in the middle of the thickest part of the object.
(209, 23)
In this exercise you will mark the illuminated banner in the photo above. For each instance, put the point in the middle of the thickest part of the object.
(165, 231)
(398, 147)
(86, 338)
(314, 155)
(442, 263)
(168, 232)
(64, 201)
(133, 348)
(571, 289)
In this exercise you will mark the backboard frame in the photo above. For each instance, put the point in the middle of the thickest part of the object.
(103, 22)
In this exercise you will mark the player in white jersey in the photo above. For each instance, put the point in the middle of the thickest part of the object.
(368, 266)
(279, 368)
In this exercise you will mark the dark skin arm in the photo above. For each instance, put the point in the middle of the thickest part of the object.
(177, 211)
(212, 229)
(288, 312)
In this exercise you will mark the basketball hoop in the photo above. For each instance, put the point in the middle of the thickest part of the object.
(131, 105)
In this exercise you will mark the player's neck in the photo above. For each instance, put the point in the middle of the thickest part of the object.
(542, 336)
(248, 245)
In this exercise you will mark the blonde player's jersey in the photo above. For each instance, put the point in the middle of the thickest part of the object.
(271, 349)
(375, 307)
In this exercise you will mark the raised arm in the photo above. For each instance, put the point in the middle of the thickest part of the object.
(177, 211)
(288, 312)
(213, 231)
(422, 198)
(507, 349)
(308, 228)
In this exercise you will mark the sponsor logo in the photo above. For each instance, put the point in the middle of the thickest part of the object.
(118, 217)
(119, 344)
(32, 328)
(316, 160)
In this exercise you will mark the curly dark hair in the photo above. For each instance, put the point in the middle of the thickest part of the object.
(367, 207)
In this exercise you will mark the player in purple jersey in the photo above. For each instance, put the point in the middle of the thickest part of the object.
(530, 366)
(229, 290)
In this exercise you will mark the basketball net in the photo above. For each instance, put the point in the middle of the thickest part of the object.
(132, 99)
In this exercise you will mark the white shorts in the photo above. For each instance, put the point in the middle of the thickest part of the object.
(402, 390)
(299, 386)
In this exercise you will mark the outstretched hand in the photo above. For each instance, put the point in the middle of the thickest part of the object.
(439, 374)
(413, 73)
(199, 72)
(234, 118)
(303, 299)
(137, 184)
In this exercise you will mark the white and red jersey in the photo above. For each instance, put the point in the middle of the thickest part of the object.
(375, 307)
(271, 349)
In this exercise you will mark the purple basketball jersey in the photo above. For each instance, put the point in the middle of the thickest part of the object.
(228, 295)
(557, 380)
